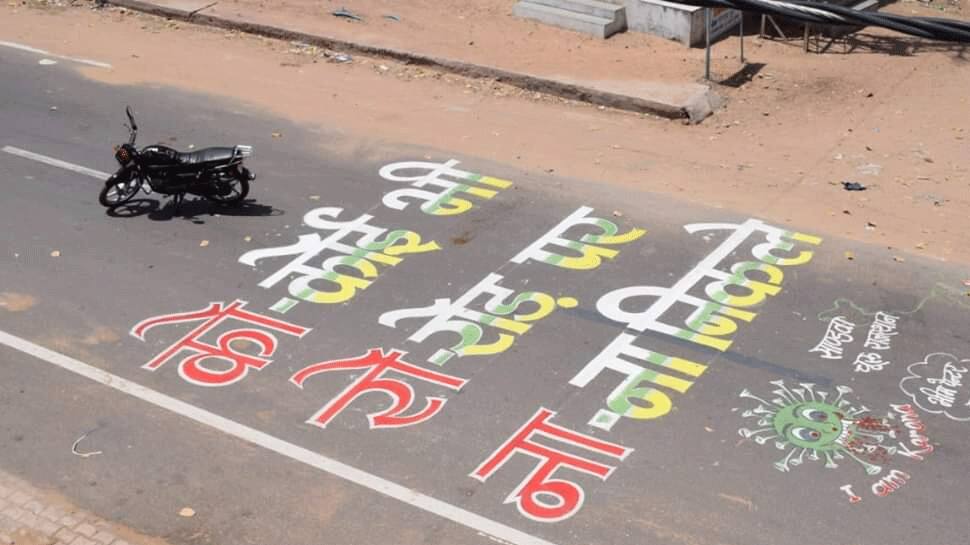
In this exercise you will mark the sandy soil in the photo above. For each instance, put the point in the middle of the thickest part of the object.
(891, 114)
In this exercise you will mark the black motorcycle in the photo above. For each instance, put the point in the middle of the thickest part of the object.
(216, 174)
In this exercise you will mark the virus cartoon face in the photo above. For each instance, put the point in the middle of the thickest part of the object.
(814, 425)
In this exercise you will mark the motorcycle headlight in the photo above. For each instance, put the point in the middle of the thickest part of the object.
(122, 156)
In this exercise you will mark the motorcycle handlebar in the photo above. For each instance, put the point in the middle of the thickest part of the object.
(132, 127)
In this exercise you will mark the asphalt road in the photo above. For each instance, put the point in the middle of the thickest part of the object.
(729, 431)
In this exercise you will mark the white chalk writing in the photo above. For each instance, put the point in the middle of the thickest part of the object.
(848, 490)
(881, 332)
(866, 362)
(936, 385)
(837, 334)
(945, 392)
(916, 428)
(890, 483)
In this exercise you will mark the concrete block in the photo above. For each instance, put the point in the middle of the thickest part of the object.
(53, 513)
(86, 529)
(65, 535)
(34, 507)
(13, 513)
(28, 519)
(589, 24)
(46, 527)
(679, 22)
(19, 498)
(595, 8)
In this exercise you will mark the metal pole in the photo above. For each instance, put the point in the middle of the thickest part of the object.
(707, 53)
(742, 37)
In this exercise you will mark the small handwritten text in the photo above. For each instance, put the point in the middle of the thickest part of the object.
(837, 334)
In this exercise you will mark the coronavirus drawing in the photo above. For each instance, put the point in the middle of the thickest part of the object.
(818, 426)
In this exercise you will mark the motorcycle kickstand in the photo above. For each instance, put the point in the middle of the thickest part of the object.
(177, 202)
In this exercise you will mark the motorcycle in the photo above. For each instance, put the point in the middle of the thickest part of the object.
(217, 174)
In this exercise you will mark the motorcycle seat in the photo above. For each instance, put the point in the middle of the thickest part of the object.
(207, 155)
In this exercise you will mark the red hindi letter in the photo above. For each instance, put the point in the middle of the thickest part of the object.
(192, 369)
(532, 496)
(376, 362)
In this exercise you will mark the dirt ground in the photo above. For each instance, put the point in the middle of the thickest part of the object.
(890, 111)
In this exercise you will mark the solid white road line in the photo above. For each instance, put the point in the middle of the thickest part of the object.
(55, 162)
(23, 47)
(279, 446)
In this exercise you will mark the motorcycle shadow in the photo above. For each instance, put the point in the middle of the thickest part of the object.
(189, 210)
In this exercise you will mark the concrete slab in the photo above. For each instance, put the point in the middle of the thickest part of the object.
(693, 101)
(563, 18)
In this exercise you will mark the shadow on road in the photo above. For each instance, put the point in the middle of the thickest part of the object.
(744, 75)
(903, 46)
(190, 210)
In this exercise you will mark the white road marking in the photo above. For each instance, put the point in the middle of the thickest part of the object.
(362, 478)
(23, 47)
(55, 162)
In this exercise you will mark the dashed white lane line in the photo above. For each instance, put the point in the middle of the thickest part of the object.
(388, 488)
(22, 47)
(55, 162)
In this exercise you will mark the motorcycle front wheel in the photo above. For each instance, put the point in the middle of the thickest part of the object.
(231, 191)
(118, 189)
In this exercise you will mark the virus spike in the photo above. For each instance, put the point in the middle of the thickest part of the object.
(747, 394)
(856, 411)
(782, 445)
(747, 434)
(798, 460)
(829, 463)
(822, 396)
(764, 412)
(762, 439)
(871, 469)
(810, 388)
(875, 436)
(780, 402)
(842, 390)
(761, 409)
(783, 391)
(813, 456)
(799, 392)
(782, 465)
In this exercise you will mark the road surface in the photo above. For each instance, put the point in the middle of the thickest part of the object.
(518, 359)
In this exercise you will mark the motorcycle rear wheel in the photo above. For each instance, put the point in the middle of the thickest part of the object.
(238, 189)
(117, 191)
